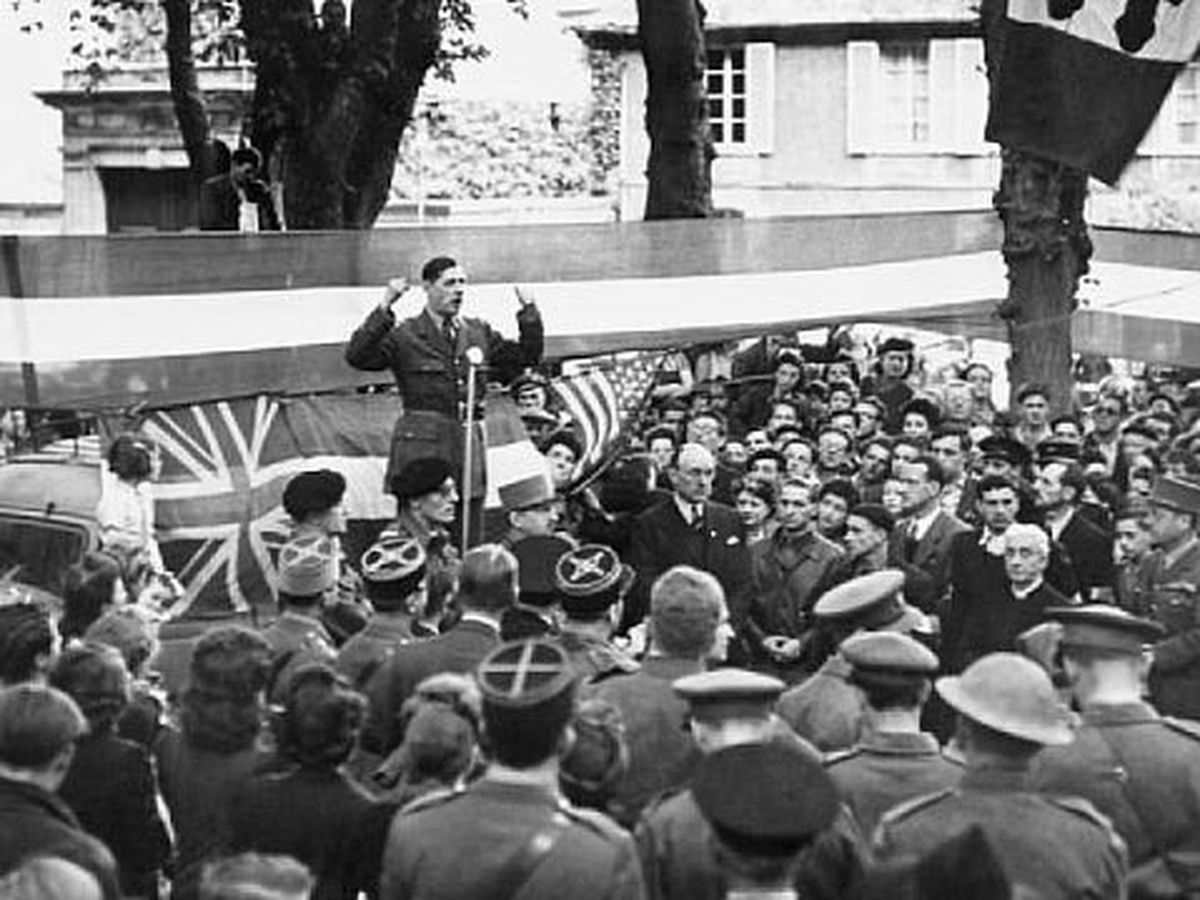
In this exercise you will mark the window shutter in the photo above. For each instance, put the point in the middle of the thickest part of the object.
(943, 95)
(760, 89)
(862, 96)
(971, 98)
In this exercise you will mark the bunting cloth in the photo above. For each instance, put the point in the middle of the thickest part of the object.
(1081, 81)
(218, 501)
(514, 467)
(603, 402)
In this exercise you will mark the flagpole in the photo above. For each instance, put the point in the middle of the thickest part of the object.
(474, 359)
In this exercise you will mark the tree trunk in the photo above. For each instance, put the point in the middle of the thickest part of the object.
(190, 111)
(679, 170)
(1046, 248)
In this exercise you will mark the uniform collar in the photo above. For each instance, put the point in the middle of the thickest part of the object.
(669, 668)
(1120, 714)
(1000, 779)
(900, 743)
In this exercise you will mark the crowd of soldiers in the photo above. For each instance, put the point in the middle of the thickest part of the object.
(832, 625)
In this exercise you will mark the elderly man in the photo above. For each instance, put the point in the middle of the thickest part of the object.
(1056, 848)
(429, 354)
(1140, 769)
(690, 529)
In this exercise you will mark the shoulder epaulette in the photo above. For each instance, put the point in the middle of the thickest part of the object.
(431, 800)
(1183, 726)
(909, 807)
(592, 820)
(836, 756)
(1082, 808)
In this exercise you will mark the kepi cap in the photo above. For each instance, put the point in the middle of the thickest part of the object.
(307, 565)
(591, 578)
(887, 658)
(728, 693)
(523, 675)
(1010, 694)
(764, 798)
(1099, 626)
(1176, 493)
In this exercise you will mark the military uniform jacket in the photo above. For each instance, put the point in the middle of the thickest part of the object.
(1058, 848)
(360, 657)
(296, 641)
(887, 768)
(476, 845)
(1140, 770)
(675, 844)
(595, 659)
(826, 709)
(1175, 679)
(1090, 549)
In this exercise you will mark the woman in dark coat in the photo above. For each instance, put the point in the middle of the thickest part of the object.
(111, 786)
(314, 812)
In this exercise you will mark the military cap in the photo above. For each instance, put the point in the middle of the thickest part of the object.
(313, 492)
(1059, 450)
(887, 657)
(765, 798)
(999, 446)
(895, 345)
(790, 355)
(528, 493)
(537, 558)
(527, 380)
(728, 693)
(307, 565)
(524, 675)
(870, 597)
(394, 558)
(420, 477)
(590, 579)
(1099, 626)
(1177, 493)
(538, 418)
(1010, 694)
(876, 514)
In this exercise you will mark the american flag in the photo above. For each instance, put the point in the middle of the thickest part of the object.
(218, 499)
(603, 401)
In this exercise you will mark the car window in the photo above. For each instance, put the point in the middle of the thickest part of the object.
(40, 550)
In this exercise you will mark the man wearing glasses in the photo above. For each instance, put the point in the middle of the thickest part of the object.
(428, 354)
(1105, 436)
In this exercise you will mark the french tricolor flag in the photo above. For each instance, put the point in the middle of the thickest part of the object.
(1080, 81)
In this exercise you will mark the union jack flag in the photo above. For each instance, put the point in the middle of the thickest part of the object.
(603, 402)
(218, 498)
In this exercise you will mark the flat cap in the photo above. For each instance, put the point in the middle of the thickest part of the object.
(1102, 627)
(876, 514)
(1010, 694)
(1176, 493)
(999, 446)
(895, 345)
(524, 675)
(888, 657)
(765, 798)
(420, 477)
(861, 596)
(728, 693)
(1059, 450)
(537, 557)
(591, 578)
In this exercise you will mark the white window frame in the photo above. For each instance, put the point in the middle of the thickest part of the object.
(1163, 139)
(757, 97)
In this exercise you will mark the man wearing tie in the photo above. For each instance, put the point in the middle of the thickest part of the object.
(920, 545)
(428, 354)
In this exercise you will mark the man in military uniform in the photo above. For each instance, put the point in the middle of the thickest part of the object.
(894, 760)
(765, 803)
(826, 708)
(536, 611)
(1172, 577)
(732, 707)
(428, 355)
(307, 575)
(1055, 848)
(427, 500)
(592, 581)
(1140, 769)
(511, 833)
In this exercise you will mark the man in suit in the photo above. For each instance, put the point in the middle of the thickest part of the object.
(1060, 486)
(1140, 769)
(1172, 577)
(689, 529)
(487, 586)
(238, 200)
(428, 354)
(920, 544)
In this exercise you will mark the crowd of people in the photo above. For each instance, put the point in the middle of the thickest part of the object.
(831, 624)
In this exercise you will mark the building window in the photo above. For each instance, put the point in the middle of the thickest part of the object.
(726, 83)
(1187, 107)
(905, 87)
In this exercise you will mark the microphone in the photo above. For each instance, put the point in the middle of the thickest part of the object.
(474, 356)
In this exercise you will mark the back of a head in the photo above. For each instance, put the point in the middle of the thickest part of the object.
(321, 718)
(487, 581)
(95, 677)
(50, 878)
(255, 876)
(685, 611)
(26, 640)
(223, 703)
(88, 589)
(37, 723)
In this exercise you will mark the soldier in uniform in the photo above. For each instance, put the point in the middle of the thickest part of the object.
(307, 574)
(732, 707)
(894, 760)
(1052, 847)
(426, 498)
(592, 583)
(511, 833)
(1140, 769)
(826, 708)
(394, 571)
(536, 611)
(1172, 577)
(765, 803)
